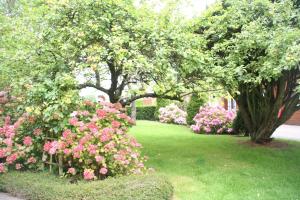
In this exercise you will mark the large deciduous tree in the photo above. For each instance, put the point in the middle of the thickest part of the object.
(256, 46)
(116, 46)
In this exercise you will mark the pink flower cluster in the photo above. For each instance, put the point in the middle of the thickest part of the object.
(14, 149)
(214, 120)
(172, 114)
(95, 144)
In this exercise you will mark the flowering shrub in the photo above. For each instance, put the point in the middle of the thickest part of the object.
(213, 120)
(16, 151)
(95, 144)
(172, 114)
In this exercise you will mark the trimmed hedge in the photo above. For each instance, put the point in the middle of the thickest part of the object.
(144, 113)
(42, 186)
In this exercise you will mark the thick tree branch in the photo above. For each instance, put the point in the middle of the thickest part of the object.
(153, 95)
(85, 85)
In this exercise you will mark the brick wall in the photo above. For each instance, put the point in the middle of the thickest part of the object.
(295, 119)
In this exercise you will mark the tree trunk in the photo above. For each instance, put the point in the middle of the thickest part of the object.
(267, 106)
(133, 111)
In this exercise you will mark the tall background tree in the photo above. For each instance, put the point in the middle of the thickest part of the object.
(255, 48)
(115, 45)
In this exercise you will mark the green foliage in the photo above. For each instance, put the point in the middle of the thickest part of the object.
(238, 125)
(117, 42)
(21, 25)
(144, 113)
(254, 60)
(193, 107)
(48, 187)
(51, 102)
(245, 41)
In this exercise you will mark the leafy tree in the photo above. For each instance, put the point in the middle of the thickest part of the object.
(19, 40)
(257, 63)
(115, 45)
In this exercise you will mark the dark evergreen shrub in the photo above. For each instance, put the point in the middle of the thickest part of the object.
(193, 107)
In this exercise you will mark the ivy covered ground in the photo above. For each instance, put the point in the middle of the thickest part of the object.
(210, 167)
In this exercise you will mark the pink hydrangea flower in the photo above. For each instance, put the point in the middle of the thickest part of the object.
(67, 151)
(78, 148)
(27, 141)
(37, 131)
(73, 121)
(71, 171)
(105, 135)
(85, 113)
(2, 153)
(213, 120)
(207, 129)
(2, 168)
(103, 171)
(99, 158)
(54, 147)
(12, 158)
(8, 142)
(88, 174)
(115, 124)
(47, 146)
(101, 113)
(18, 166)
(93, 127)
(67, 134)
(229, 130)
(220, 130)
(31, 160)
(92, 149)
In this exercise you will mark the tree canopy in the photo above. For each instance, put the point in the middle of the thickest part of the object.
(115, 46)
(257, 63)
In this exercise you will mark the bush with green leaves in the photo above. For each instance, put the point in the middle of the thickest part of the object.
(172, 114)
(193, 107)
(144, 113)
(160, 103)
(43, 186)
(95, 143)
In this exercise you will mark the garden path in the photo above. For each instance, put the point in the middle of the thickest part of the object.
(289, 132)
(4, 196)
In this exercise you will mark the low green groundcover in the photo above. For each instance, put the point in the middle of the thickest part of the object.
(42, 186)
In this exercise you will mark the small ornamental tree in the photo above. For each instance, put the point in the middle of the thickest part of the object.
(255, 61)
(213, 120)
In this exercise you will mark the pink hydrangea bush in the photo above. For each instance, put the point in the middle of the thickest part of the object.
(213, 120)
(16, 150)
(172, 114)
(95, 143)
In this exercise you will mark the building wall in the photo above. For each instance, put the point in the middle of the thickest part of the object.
(295, 119)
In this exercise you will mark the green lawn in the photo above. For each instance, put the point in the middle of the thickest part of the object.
(219, 167)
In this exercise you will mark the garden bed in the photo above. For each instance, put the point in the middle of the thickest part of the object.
(43, 186)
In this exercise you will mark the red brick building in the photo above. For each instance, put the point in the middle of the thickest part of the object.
(295, 119)
(229, 104)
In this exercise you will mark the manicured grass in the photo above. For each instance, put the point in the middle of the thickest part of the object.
(203, 167)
